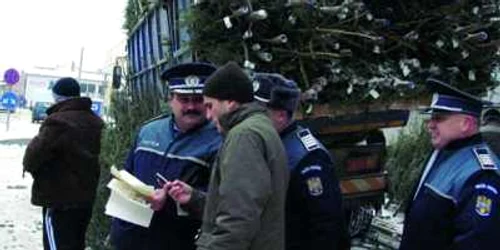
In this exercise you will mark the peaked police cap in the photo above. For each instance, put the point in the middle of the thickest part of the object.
(449, 99)
(188, 78)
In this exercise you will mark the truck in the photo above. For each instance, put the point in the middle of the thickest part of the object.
(38, 92)
(157, 42)
(355, 140)
(358, 145)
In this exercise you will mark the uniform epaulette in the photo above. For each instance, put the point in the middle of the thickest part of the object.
(484, 158)
(155, 118)
(308, 140)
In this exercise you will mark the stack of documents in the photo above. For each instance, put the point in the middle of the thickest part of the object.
(127, 199)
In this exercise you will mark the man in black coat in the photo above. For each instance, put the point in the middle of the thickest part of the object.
(64, 162)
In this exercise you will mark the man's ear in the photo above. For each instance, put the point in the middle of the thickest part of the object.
(232, 105)
(283, 115)
(469, 124)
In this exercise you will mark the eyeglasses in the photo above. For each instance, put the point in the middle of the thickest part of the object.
(185, 99)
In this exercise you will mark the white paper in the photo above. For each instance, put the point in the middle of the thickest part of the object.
(136, 184)
(128, 209)
(227, 22)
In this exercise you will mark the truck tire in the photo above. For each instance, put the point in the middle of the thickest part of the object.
(360, 220)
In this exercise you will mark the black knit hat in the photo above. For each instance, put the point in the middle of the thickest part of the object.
(67, 87)
(229, 82)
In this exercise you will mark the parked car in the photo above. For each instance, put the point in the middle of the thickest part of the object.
(38, 113)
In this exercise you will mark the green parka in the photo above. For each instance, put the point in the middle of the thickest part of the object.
(246, 197)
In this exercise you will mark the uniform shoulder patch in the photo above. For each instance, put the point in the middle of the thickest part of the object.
(483, 206)
(310, 168)
(314, 186)
(486, 187)
(484, 158)
(308, 140)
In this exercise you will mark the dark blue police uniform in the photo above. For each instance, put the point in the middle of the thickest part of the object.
(314, 217)
(456, 202)
(161, 148)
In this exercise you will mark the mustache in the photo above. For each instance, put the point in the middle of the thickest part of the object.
(191, 112)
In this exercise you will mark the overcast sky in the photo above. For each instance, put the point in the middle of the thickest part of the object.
(52, 32)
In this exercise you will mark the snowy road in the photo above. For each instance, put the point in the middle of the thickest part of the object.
(20, 222)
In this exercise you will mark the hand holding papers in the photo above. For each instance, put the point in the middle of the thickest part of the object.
(127, 199)
(132, 182)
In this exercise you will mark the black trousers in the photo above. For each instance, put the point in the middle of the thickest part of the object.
(64, 228)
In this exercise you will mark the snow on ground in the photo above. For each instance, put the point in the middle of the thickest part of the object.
(20, 222)
(20, 126)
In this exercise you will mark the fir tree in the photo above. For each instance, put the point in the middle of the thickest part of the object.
(351, 50)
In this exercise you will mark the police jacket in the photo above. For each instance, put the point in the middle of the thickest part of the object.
(161, 148)
(456, 204)
(314, 217)
(245, 202)
(64, 157)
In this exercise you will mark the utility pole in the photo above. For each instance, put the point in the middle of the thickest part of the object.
(80, 66)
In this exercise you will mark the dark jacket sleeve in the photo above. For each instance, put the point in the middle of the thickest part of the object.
(244, 190)
(478, 219)
(44, 146)
(319, 193)
(196, 204)
(125, 235)
(129, 163)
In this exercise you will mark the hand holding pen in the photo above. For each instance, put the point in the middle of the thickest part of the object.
(159, 197)
(178, 190)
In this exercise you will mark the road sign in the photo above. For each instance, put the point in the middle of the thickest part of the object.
(11, 76)
(9, 100)
(97, 108)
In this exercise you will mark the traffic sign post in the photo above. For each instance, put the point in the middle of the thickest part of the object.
(97, 108)
(9, 101)
(11, 76)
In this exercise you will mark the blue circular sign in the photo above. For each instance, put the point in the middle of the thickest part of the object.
(97, 108)
(11, 76)
(9, 100)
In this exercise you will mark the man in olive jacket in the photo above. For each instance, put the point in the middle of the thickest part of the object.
(245, 202)
(64, 162)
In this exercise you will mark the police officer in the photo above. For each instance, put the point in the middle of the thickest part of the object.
(456, 202)
(314, 217)
(178, 146)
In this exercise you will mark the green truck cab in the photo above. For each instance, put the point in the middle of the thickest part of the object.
(39, 112)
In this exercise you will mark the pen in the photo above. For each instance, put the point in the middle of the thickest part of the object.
(160, 177)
